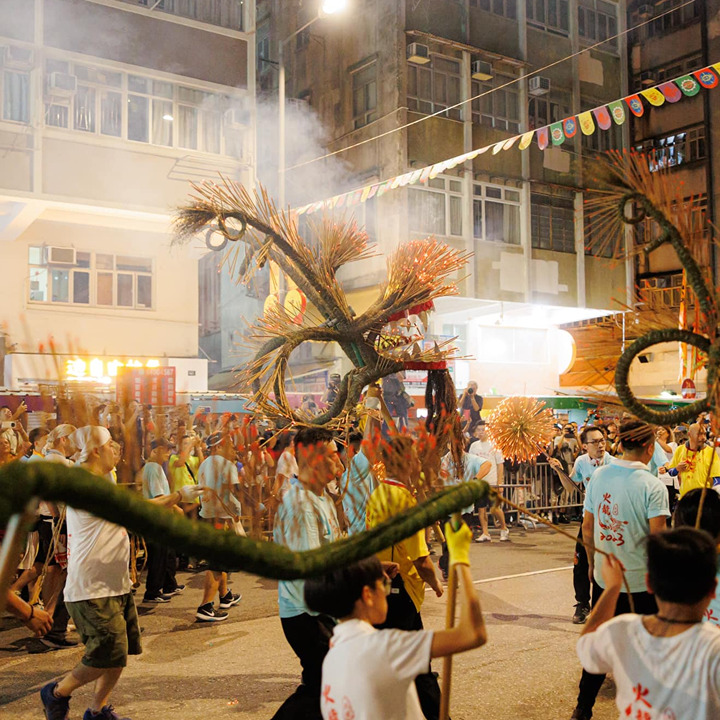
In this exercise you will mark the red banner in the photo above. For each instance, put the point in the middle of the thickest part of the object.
(148, 386)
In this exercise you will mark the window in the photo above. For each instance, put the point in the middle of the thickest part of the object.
(94, 279)
(543, 111)
(436, 210)
(552, 222)
(498, 108)
(506, 8)
(550, 15)
(364, 85)
(684, 14)
(601, 140)
(597, 21)
(673, 150)
(137, 108)
(663, 73)
(496, 213)
(263, 49)
(435, 86)
(16, 96)
(224, 13)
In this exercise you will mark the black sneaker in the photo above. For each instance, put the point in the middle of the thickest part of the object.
(59, 642)
(581, 613)
(207, 613)
(580, 714)
(107, 712)
(176, 591)
(230, 599)
(159, 598)
(55, 708)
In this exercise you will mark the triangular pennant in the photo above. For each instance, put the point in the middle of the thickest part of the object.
(415, 177)
(383, 188)
(570, 126)
(635, 104)
(603, 117)
(653, 96)
(617, 111)
(716, 67)
(497, 147)
(405, 179)
(426, 173)
(587, 124)
(671, 92)
(707, 78)
(395, 182)
(365, 193)
(342, 199)
(689, 85)
(509, 143)
(542, 138)
(525, 140)
(557, 134)
(302, 210)
(372, 192)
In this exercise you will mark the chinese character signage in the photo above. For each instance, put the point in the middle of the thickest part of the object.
(148, 386)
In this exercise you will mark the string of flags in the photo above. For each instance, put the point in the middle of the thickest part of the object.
(554, 135)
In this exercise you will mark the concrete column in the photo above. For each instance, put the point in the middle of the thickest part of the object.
(525, 236)
(468, 176)
(580, 250)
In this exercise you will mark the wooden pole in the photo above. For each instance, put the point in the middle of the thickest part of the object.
(449, 623)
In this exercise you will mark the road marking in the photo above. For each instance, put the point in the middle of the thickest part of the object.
(519, 575)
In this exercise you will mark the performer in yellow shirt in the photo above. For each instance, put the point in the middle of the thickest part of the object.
(690, 462)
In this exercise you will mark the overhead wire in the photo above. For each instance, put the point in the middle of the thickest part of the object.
(444, 111)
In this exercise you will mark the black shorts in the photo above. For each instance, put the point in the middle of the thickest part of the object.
(45, 528)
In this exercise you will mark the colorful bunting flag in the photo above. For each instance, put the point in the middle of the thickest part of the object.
(707, 78)
(671, 92)
(653, 96)
(569, 127)
(688, 85)
(603, 117)
(542, 137)
(557, 134)
(587, 124)
(525, 140)
(617, 111)
(635, 104)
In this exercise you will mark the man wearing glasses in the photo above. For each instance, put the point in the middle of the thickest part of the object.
(595, 455)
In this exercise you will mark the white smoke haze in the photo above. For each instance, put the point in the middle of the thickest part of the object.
(305, 139)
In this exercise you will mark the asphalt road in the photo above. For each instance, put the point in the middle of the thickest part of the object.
(243, 669)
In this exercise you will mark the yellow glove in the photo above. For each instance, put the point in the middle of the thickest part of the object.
(458, 543)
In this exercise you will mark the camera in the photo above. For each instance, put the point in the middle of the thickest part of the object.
(8, 425)
(470, 391)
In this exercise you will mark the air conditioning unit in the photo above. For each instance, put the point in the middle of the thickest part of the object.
(647, 78)
(644, 12)
(61, 255)
(538, 85)
(17, 57)
(62, 83)
(418, 53)
(482, 70)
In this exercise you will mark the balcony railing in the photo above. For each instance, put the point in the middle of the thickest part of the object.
(223, 13)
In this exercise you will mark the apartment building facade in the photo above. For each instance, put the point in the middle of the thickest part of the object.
(401, 85)
(110, 108)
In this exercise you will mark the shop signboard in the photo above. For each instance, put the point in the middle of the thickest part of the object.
(148, 386)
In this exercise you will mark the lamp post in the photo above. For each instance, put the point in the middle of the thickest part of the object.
(327, 7)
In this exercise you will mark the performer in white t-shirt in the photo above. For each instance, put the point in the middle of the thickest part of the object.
(369, 674)
(667, 665)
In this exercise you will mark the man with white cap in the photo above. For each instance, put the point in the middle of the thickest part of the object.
(97, 592)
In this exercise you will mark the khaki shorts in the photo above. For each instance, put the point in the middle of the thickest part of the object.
(109, 629)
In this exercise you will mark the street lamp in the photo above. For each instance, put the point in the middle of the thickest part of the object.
(327, 8)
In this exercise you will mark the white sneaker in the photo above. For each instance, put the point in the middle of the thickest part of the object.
(483, 538)
(504, 535)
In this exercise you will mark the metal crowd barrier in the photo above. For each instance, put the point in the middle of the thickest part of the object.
(537, 487)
